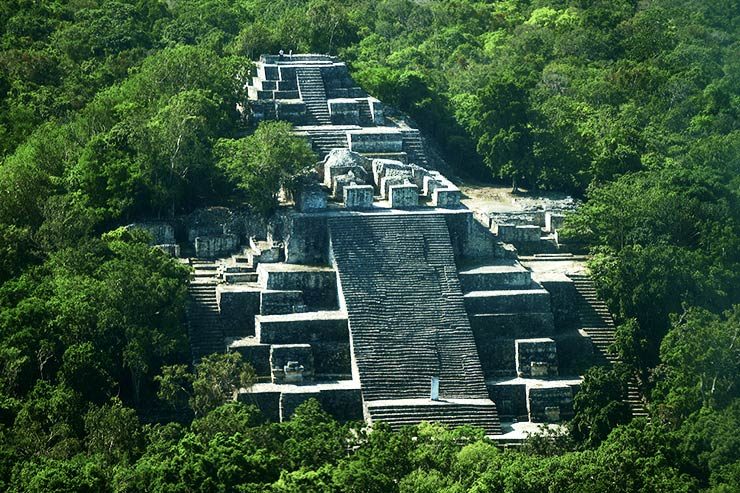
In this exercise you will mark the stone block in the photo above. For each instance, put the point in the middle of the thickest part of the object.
(319, 285)
(291, 363)
(508, 301)
(286, 95)
(358, 196)
(344, 111)
(403, 196)
(397, 178)
(446, 197)
(511, 233)
(287, 73)
(307, 240)
(496, 355)
(287, 85)
(515, 325)
(311, 199)
(215, 246)
(341, 181)
(375, 140)
(301, 328)
(536, 358)
(238, 305)
(265, 85)
(553, 221)
(341, 161)
(380, 166)
(376, 108)
(332, 359)
(549, 403)
(502, 274)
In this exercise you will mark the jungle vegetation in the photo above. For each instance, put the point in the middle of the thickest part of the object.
(114, 110)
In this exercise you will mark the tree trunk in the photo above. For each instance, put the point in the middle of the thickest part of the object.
(514, 186)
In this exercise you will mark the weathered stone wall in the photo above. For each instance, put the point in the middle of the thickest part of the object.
(311, 199)
(497, 355)
(344, 111)
(257, 355)
(291, 110)
(282, 354)
(306, 329)
(542, 398)
(513, 325)
(212, 221)
(343, 404)
(161, 232)
(511, 233)
(562, 298)
(319, 287)
(307, 240)
(375, 141)
(216, 246)
(471, 240)
(510, 399)
(238, 305)
(536, 358)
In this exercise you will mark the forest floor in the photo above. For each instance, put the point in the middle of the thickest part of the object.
(487, 197)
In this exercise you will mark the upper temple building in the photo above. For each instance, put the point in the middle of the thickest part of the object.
(317, 95)
(378, 292)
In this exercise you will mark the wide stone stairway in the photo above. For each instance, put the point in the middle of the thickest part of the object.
(597, 322)
(407, 320)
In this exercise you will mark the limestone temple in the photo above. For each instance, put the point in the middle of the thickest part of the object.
(379, 293)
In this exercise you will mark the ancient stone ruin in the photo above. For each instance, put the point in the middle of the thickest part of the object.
(378, 293)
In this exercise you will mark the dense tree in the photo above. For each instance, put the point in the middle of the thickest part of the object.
(267, 161)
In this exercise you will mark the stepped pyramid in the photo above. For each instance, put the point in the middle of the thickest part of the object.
(379, 294)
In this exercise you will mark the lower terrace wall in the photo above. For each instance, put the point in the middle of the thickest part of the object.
(308, 240)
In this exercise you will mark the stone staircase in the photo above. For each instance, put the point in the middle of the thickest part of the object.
(406, 313)
(597, 322)
(204, 325)
(413, 146)
(459, 412)
(313, 94)
(366, 114)
(323, 141)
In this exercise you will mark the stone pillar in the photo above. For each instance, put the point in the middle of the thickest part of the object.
(553, 221)
(358, 196)
(403, 196)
